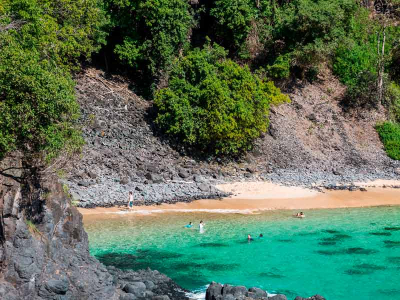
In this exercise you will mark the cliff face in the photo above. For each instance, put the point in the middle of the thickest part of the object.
(44, 249)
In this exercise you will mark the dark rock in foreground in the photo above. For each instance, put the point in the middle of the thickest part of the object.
(217, 291)
(44, 251)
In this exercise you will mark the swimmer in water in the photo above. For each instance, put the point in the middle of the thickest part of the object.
(190, 225)
(249, 238)
(260, 236)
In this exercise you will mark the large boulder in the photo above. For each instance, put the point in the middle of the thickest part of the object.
(136, 288)
(214, 291)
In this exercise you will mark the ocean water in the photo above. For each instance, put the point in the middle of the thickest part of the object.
(338, 253)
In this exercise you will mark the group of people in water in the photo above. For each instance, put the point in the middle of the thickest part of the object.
(249, 237)
(201, 226)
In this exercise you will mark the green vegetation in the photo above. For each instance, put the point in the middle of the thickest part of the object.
(32, 228)
(41, 42)
(215, 104)
(150, 32)
(216, 99)
(389, 133)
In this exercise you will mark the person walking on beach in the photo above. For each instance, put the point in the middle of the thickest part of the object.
(130, 202)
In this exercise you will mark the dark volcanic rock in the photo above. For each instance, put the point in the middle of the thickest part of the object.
(216, 291)
(44, 251)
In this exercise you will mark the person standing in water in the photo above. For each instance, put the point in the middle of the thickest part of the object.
(201, 227)
(130, 202)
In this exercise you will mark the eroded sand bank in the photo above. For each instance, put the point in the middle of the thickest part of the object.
(253, 197)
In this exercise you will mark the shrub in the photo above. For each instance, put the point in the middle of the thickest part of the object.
(363, 93)
(389, 134)
(393, 101)
(280, 69)
(214, 104)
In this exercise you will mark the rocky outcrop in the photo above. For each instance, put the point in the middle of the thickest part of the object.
(44, 249)
(216, 291)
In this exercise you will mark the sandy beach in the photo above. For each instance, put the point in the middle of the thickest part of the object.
(253, 197)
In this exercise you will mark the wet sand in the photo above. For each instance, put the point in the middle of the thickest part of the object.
(253, 197)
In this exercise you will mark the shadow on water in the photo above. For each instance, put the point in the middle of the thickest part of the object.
(308, 233)
(393, 260)
(389, 292)
(141, 260)
(211, 245)
(332, 231)
(271, 275)
(364, 269)
(336, 238)
(158, 254)
(359, 250)
(394, 228)
(122, 261)
(391, 244)
(327, 243)
(355, 250)
(381, 233)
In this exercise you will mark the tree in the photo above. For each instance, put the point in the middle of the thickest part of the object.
(388, 14)
(213, 104)
(150, 32)
(38, 108)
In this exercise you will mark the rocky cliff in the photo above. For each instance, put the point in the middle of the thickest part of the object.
(44, 250)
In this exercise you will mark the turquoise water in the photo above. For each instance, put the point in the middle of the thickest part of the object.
(338, 253)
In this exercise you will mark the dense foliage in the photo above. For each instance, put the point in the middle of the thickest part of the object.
(150, 32)
(215, 104)
(390, 136)
(206, 98)
(41, 42)
(37, 107)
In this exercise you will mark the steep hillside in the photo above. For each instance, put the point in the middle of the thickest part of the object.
(311, 141)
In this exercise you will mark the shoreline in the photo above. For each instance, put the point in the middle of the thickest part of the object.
(255, 197)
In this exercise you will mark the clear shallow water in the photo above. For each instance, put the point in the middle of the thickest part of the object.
(340, 254)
